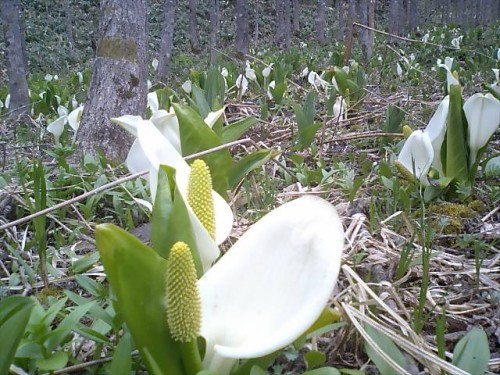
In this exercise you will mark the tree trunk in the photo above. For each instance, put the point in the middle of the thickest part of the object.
(412, 15)
(287, 18)
(214, 29)
(341, 28)
(296, 15)
(242, 38)
(395, 17)
(363, 33)
(17, 71)
(167, 40)
(370, 38)
(280, 23)
(119, 79)
(321, 21)
(68, 24)
(193, 27)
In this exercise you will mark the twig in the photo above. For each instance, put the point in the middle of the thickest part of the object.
(110, 185)
(364, 135)
(82, 366)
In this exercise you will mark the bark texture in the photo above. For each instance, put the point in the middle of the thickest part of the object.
(321, 21)
(167, 40)
(242, 38)
(119, 79)
(296, 15)
(214, 29)
(68, 24)
(10, 13)
(193, 27)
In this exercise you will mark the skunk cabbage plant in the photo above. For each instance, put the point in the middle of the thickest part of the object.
(455, 138)
(262, 295)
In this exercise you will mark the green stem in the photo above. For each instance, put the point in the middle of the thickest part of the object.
(190, 357)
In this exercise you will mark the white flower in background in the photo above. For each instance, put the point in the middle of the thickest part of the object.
(412, 57)
(80, 77)
(50, 77)
(315, 80)
(149, 84)
(266, 72)
(498, 54)
(399, 70)
(380, 58)
(450, 78)
(442, 36)
(417, 154)
(425, 38)
(224, 72)
(73, 119)
(483, 117)
(249, 72)
(340, 108)
(496, 73)
(303, 45)
(1, 104)
(154, 64)
(304, 72)
(242, 84)
(272, 85)
(7, 101)
(455, 42)
(186, 86)
(281, 274)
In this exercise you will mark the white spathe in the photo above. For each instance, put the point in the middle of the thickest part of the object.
(450, 78)
(483, 117)
(152, 149)
(272, 285)
(73, 119)
(417, 155)
(437, 129)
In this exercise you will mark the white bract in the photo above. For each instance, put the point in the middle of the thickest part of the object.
(417, 155)
(73, 119)
(436, 128)
(272, 285)
(186, 86)
(483, 117)
(152, 148)
(455, 42)
(315, 80)
(249, 72)
(242, 84)
(399, 70)
(450, 78)
(266, 72)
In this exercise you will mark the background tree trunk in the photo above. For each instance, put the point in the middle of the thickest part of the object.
(280, 23)
(395, 12)
(296, 15)
(341, 19)
(167, 40)
(363, 33)
(68, 24)
(412, 15)
(119, 79)
(242, 38)
(214, 29)
(321, 21)
(17, 70)
(287, 18)
(193, 27)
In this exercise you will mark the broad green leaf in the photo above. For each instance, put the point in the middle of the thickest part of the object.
(249, 163)
(196, 136)
(122, 359)
(85, 263)
(234, 131)
(349, 371)
(456, 136)
(394, 118)
(170, 220)
(55, 361)
(314, 359)
(346, 85)
(305, 120)
(278, 92)
(472, 352)
(385, 344)
(256, 370)
(137, 275)
(14, 316)
(93, 287)
(200, 101)
(323, 371)
(215, 89)
(96, 311)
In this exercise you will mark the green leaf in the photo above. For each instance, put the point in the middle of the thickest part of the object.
(122, 359)
(200, 101)
(196, 136)
(234, 131)
(85, 263)
(492, 168)
(278, 92)
(14, 316)
(384, 343)
(170, 220)
(137, 275)
(346, 85)
(215, 88)
(256, 370)
(323, 371)
(314, 359)
(249, 163)
(393, 120)
(456, 138)
(55, 361)
(472, 352)
(305, 120)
